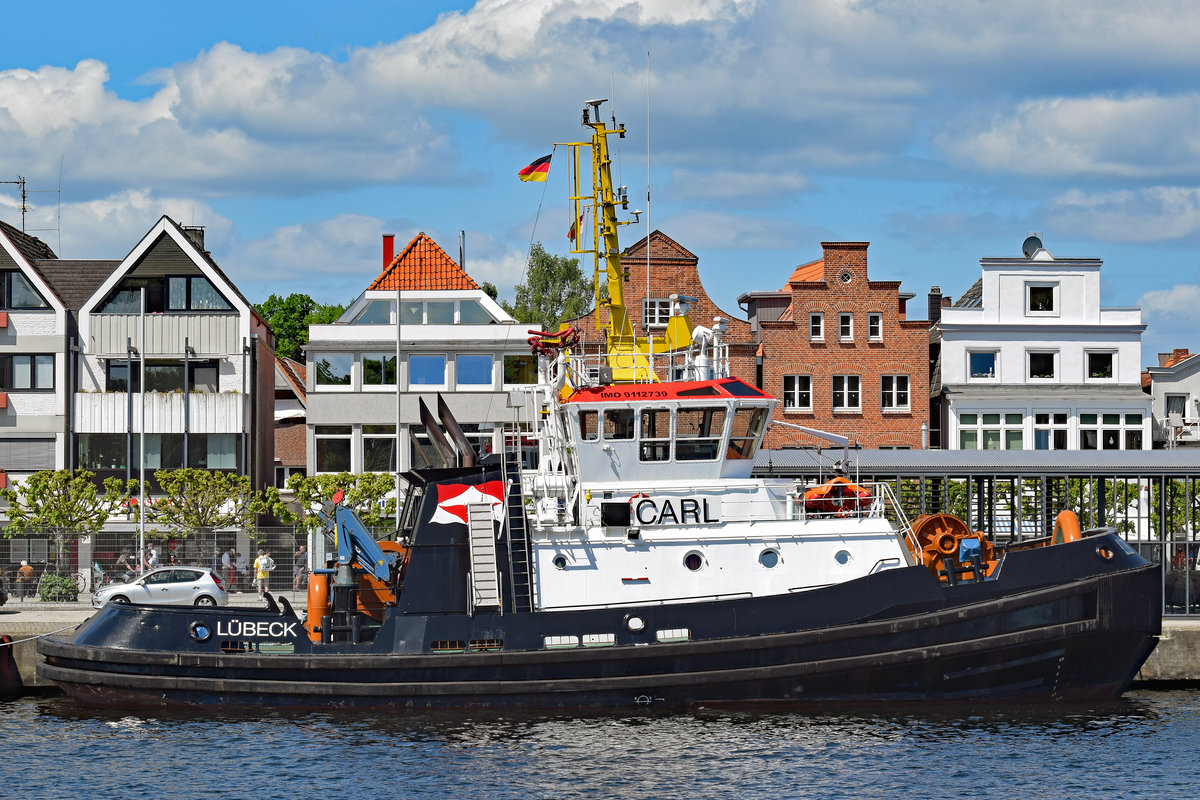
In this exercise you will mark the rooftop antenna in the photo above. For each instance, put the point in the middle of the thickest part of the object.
(20, 181)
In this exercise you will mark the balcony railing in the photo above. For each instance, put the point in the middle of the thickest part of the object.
(207, 412)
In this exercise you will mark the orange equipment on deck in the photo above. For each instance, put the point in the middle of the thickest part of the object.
(318, 605)
(836, 496)
(1066, 528)
(372, 594)
(940, 536)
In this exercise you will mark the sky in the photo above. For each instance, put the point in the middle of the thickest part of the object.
(940, 131)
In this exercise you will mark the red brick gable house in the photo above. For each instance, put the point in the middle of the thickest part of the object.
(669, 269)
(838, 351)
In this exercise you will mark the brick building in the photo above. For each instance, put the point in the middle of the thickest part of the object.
(839, 352)
(670, 269)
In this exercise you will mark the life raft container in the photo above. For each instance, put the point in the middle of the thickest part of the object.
(836, 496)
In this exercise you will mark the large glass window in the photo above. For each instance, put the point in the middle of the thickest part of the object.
(16, 292)
(333, 369)
(1110, 431)
(213, 450)
(520, 369)
(655, 435)
(379, 369)
(27, 373)
(161, 375)
(745, 433)
(102, 451)
(174, 293)
(333, 448)
(376, 312)
(474, 370)
(894, 393)
(797, 393)
(379, 448)
(427, 370)
(846, 393)
(991, 430)
(1050, 430)
(439, 312)
(472, 312)
(698, 433)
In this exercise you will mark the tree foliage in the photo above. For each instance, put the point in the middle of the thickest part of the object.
(195, 499)
(554, 289)
(289, 318)
(365, 493)
(68, 503)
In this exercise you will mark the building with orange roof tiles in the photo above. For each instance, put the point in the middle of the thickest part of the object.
(1174, 389)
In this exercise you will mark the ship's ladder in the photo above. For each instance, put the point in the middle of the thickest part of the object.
(485, 578)
(519, 555)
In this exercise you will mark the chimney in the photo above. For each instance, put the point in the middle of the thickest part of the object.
(935, 303)
(389, 248)
(195, 234)
(1179, 354)
(1163, 358)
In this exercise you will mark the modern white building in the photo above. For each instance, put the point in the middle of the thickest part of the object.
(451, 339)
(1175, 397)
(1029, 360)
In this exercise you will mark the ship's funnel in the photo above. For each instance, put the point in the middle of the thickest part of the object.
(456, 434)
(436, 437)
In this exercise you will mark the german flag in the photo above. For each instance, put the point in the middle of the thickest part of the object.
(537, 171)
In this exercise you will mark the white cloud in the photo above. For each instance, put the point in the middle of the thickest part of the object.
(716, 230)
(1181, 300)
(1152, 214)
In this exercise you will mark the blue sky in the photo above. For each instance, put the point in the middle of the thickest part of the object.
(941, 131)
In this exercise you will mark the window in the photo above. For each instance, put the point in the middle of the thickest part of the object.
(845, 393)
(427, 370)
(163, 450)
(333, 369)
(16, 292)
(747, 429)
(816, 327)
(698, 433)
(1050, 430)
(1042, 364)
(618, 424)
(875, 327)
(797, 393)
(991, 430)
(1041, 299)
(655, 312)
(1110, 431)
(379, 369)
(213, 450)
(472, 312)
(474, 370)
(102, 451)
(981, 365)
(333, 448)
(894, 393)
(173, 293)
(379, 448)
(1100, 365)
(376, 312)
(439, 312)
(1176, 404)
(588, 432)
(520, 369)
(161, 375)
(655, 435)
(846, 327)
(27, 373)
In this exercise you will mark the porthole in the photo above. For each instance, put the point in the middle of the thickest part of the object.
(846, 277)
(769, 558)
(635, 624)
(693, 561)
(560, 561)
(200, 632)
(843, 557)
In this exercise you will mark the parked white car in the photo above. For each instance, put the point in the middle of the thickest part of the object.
(167, 586)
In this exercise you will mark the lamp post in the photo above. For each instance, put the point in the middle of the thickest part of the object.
(142, 428)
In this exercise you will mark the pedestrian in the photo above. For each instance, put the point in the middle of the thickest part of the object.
(125, 566)
(151, 557)
(240, 566)
(216, 560)
(228, 561)
(262, 570)
(24, 580)
(300, 569)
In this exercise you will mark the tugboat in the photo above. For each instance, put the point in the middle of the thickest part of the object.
(616, 551)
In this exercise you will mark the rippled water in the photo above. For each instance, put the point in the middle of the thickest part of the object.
(1147, 745)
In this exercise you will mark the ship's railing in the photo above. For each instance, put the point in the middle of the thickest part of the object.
(593, 368)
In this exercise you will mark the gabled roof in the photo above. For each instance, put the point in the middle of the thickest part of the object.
(31, 247)
(294, 373)
(812, 271)
(75, 280)
(423, 266)
(661, 247)
(973, 297)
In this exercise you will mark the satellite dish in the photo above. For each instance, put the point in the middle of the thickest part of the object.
(1031, 245)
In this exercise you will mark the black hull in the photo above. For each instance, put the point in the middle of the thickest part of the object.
(1021, 638)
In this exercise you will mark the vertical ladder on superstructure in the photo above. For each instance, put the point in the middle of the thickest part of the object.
(519, 555)
(485, 579)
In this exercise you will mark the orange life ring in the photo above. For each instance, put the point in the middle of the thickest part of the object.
(1066, 528)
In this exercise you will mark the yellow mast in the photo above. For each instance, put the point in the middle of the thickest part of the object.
(628, 355)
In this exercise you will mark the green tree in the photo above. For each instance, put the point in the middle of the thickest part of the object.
(490, 289)
(64, 502)
(195, 500)
(289, 318)
(364, 493)
(554, 289)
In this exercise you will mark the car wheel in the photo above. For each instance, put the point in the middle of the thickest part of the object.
(205, 600)
(120, 599)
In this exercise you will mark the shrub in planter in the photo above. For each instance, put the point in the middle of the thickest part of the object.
(58, 589)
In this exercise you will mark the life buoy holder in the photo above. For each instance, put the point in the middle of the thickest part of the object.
(1066, 528)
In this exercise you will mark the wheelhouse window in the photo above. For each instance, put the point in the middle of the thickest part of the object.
(589, 431)
(655, 435)
(17, 292)
(618, 424)
(981, 364)
(1101, 365)
(746, 432)
(27, 372)
(797, 393)
(698, 433)
(655, 312)
(333, 369)
(816, 327)
(846, 393)
(427, 370)
(379, 369)
(894, 393)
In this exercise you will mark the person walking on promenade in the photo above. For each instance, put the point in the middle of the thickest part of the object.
(262, 570)
(300, 570)
(216, 560)
(228, 564)
(24, 580)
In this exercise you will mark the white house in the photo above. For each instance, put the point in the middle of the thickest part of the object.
(451, 338)
(1175, 398)
(1030, 361)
